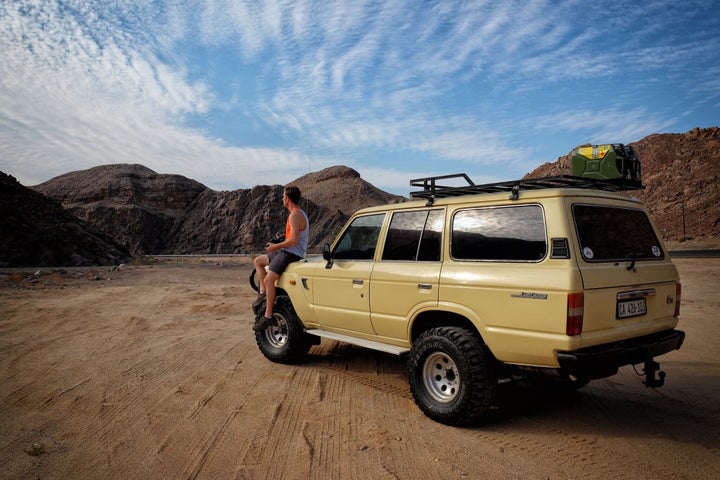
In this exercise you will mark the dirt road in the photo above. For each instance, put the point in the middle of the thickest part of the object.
(152, 372)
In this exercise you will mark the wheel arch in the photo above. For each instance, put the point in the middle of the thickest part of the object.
(441, 318)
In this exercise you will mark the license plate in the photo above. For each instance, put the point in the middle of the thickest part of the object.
(632, 308)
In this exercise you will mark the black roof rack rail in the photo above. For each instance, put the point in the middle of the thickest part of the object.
(432, 190)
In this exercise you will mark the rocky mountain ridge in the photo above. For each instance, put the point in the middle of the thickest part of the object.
(104, 214)
(155, 213)
(680, 175)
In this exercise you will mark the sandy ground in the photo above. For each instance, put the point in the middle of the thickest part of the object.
(152, 372)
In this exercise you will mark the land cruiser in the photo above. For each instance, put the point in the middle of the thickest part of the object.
(481, 284)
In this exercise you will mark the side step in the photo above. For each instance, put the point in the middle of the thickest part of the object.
(383, 347)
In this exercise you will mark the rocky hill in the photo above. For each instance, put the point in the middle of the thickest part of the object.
(131, 203)
(342, 188)
(36, 231)
(680, 174)
(158, 213)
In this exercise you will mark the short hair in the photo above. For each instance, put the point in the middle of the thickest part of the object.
(293, 193)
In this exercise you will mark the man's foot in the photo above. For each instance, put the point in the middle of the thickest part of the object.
(264, 323)
(259, 300)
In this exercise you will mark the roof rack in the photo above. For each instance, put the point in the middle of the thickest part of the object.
(431, 189)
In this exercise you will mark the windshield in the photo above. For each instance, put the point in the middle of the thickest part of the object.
(615, 234)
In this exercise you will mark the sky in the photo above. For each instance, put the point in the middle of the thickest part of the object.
(236, 93)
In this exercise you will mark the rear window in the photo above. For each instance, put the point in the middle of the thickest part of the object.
(514, 233)
(615, 233)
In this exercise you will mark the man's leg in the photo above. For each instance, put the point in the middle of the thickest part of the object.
(267, 320)
(278, 263)
(260, 262)
(270, 279)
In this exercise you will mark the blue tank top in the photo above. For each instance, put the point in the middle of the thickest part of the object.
(300, 247)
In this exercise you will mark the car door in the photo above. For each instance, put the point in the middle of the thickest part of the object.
(406, 278)
(341, 292)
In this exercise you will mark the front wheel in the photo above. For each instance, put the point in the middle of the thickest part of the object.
(285, 342)
(451, 377)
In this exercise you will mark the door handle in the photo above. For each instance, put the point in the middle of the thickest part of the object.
(425, 286)
(358, 281)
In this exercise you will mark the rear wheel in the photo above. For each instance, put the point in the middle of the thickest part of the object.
(451, 376)
(285, 342)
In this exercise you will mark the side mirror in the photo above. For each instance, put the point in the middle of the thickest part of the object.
(327, 255)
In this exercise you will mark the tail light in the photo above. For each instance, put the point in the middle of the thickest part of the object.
(575, 311)
(678, 294)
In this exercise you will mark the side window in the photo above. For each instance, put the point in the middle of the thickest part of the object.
(414, 236)
(359, 240)
(514, 233)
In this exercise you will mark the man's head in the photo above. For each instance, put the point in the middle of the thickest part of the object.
(293, 193)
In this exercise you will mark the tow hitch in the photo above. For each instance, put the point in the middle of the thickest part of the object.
(651, 366)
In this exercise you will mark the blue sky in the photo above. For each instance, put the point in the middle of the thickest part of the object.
(240, 93)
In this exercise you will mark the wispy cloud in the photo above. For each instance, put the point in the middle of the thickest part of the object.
(452, 84)
(612, 124)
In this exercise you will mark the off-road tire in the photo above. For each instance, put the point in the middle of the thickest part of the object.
(253, 280)
(285, 342)
(450, 372)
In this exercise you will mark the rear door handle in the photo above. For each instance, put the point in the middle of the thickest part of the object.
(358, 281)
(425, 286)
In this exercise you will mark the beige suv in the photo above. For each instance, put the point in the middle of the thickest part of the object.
(481, 284)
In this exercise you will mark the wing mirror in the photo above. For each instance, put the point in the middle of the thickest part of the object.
(327, 255)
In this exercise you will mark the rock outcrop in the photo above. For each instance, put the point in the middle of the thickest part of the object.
(37, 231)
(680, 175)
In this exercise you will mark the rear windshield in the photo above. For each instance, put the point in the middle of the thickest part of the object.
(612, 233)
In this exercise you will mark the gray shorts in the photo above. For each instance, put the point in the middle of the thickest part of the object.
(280, 259)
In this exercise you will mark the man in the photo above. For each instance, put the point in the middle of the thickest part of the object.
(280, 255)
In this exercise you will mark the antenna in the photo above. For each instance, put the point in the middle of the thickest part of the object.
(310, 159)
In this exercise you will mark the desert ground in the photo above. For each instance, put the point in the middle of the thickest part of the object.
(152, 372)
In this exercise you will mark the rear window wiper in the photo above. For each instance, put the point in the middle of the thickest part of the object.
(632, 257)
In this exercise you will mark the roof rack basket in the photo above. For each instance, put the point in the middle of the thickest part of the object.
(431, 189)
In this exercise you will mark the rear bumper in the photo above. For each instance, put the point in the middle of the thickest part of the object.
(602, 361)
